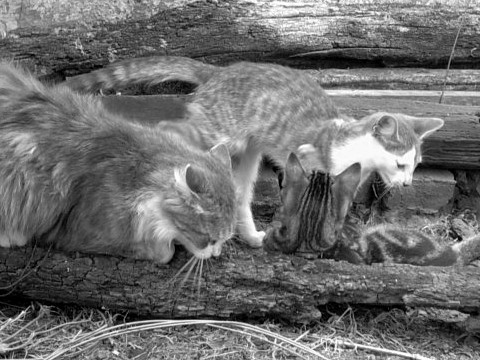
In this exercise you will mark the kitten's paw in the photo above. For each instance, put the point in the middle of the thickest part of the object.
(254, 239)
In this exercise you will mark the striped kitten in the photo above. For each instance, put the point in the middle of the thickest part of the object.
(76, 176)
(271, 110)
(319, 201)
(312, 218)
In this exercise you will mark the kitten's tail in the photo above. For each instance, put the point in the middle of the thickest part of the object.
(16, 83)
(148, 70)
(467, 250)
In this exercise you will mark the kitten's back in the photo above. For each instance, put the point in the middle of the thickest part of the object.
(392, 244)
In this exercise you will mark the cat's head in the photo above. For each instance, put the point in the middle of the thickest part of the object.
(200, 209)
(385, 143)
(314, 207)
(399, 138)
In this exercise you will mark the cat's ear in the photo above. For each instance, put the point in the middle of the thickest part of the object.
(386, 126)
(424, 126)
(294, 171)
(220, 151)
(344, 188)
(195, 179)
(190, 180)
(308, 154)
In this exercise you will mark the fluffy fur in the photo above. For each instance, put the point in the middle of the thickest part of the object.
(75, 176)
(312, 218)
(271, 110)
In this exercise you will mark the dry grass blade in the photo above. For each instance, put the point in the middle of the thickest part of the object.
(242, 328)
(462, 18)
(382, 351)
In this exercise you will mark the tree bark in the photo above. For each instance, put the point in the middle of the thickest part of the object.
(66, 37)
(242, 284)
(455, 146)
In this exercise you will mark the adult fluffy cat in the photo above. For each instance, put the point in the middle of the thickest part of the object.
(266, 109)
(74, 175)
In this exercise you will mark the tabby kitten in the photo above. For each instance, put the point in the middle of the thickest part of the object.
(393, 244)
(319, 201)
(312, 218)
(272, 110)
(76, 176)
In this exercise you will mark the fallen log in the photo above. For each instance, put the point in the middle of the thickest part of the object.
(455, 146)
(64, 37)
(243, 283)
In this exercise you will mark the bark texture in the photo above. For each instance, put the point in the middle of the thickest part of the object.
(245, 284)
(67, 37)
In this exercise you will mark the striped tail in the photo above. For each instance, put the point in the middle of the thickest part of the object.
(17, 83)
(148, 71)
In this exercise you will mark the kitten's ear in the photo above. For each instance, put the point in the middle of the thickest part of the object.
(294, 171)
(424, 126)
(306, 149)
(193, 180)
(344, 189)
(387, 126)
(220, 151)
(308, 154)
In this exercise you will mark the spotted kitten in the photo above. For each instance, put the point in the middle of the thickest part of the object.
(76, 176)
(271, 110)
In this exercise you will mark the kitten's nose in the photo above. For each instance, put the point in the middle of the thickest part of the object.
(407, 183)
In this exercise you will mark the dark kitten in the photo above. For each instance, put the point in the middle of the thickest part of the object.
(312, 218)
(74, 175)
(393, 244)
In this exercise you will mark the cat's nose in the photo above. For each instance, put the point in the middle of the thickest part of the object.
(407, 183)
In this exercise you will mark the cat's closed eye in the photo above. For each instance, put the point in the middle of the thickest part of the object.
(401, 166)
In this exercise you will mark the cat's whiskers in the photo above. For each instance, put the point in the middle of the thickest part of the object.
(199, 278)
(189, 271)
(209, 265)
(385, 191)
(196, 277)
(182, 269)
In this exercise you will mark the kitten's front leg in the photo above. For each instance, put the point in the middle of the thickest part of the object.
(245, 174)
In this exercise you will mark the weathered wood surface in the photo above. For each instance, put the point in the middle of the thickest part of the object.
(245, 284)
(455, 146)
(398, 78)
(66, 37)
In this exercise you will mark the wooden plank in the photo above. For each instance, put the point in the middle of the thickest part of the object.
(455, 146)
(398, 78)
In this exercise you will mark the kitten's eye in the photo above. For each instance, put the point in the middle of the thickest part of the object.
(401, 166)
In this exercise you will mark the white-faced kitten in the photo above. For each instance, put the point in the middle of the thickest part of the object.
(76, 176)
(271, 110)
